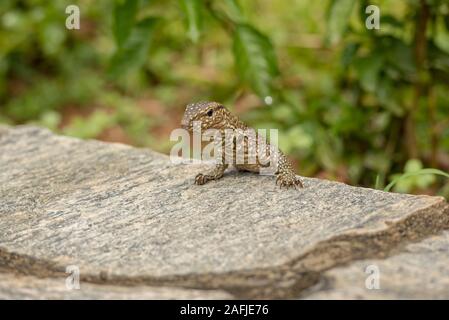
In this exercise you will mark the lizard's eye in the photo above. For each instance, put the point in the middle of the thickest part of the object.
(210, 112)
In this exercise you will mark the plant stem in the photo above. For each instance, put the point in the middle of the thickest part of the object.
(420, 41)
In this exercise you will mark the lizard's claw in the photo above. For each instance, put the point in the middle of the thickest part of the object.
(200, 179)
(215, 174)
(289, 181)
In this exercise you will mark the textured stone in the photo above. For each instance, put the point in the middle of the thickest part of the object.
(130, 216)
(419, 271)
(28, 287)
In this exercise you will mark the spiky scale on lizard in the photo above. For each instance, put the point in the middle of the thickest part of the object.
(213, 115)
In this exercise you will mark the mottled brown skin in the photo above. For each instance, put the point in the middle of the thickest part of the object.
(213, 115)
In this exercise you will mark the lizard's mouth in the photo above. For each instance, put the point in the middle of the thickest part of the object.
(185, 126)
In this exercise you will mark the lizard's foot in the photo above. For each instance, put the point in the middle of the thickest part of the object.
(201, 179)
(289, 181)
(215, 174)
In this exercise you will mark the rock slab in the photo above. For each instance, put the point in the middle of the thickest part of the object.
(131, 217)
(418, 271)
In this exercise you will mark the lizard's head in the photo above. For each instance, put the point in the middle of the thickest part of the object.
(210, 114)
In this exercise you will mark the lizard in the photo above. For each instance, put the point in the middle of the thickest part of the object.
(213, 115)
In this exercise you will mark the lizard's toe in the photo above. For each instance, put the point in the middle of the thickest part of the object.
(277, 179)
(298, 183)
(200, 179)
(289, 182)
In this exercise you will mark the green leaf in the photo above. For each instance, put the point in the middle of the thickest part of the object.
(255, 59)
(378, 182)
(446, 21)
(425, 171)
(401, 56)
(51, 38)
(338, 13)
(50, 119)
(391, 20)
(413, 165)
(328, 149)
(300, 138)
(377, 160)
(124, 18)
(193, 11)
(235, 11)
(91, 127)
(133, 53)
(439, 59)
(368, 69)
(349, 53)
(386, 94)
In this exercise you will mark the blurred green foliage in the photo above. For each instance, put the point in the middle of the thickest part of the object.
(351, 104)
(414, 176)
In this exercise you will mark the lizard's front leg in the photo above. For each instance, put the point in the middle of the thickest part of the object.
(214, 174)
(286, 177)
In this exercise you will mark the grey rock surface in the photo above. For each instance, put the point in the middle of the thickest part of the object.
(419, 271)
(128, 216)
(28, 287)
